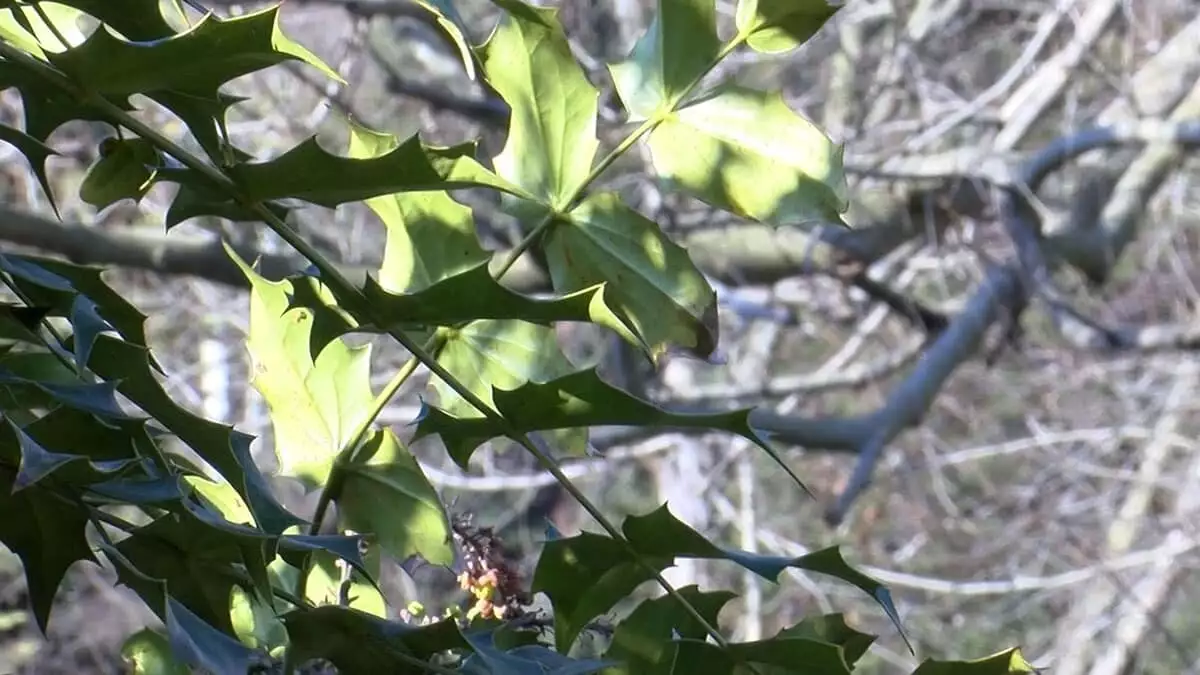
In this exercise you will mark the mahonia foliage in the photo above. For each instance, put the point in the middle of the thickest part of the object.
(88, 427)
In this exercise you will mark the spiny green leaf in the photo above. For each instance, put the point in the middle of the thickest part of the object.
(357, 642)
(57, 284)
(148, 652)
(36, 153)
(197, 61)
(678, 48)
(194, 641)
(126, 170)
(383, 492)
(203, 115)
(195, 201)
(88, 325)
(48, 107)
(778, 26)
(552, 128)
(585, 576)
(651, 280)
(1008, 662)
(227, 450)
(832, 628)
(747, 152)
(580, 399)
(567, 565)
(475, 294)
(644, 640)
(429, 235)
(99, 398)
(135, 19)
(76, 467)
(19, 322)
(316, 405)
(491, 355)
(199, 644)
(534, 659)
(313, 174)
(783, 654)
(661, 533)
(199, 563)
(47, 532)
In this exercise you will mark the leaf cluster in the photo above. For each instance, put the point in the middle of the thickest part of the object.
(98, 461)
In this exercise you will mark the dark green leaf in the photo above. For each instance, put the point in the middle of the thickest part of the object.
(36, 153)
(358, 643)
(1008, 662)
(194, 641)
(581, 399)
(313, 174)
(47, 532)
(135, 19)
(38, 461)
(645, 640)
(588, 574)
(88, 325)
(126, 170)
(197, 61)
(227, 450)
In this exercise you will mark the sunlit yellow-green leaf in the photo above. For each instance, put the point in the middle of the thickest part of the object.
(749, 153)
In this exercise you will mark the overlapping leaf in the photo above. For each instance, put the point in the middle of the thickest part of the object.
(777, 26)
(126, 170)
(47, 532)
(645, 640)
(384, 492)
(652, 282)
(552, 127)
(588, 574)
(678, 48)
(193, 640)
(357, 642)
(429, 235)
(227, 450)
(747, 152)
(489, 356)
(316, 405)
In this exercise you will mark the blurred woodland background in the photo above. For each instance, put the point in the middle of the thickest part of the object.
(1049, 496)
